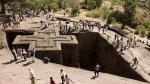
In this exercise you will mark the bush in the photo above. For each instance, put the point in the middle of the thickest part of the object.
(99, 12)
(93, 14)
(75, 8)
(147, 25)
(91, 4)
(142, 33)
(54, 6)
(137, 32)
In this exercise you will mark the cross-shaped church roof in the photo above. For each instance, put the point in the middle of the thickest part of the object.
(45, 40)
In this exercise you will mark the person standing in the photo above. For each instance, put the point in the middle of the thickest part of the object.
(14, 54)
(41, 22)
(62, 76)
(19, 53)
(33, 54)
(68, 80)
(32, 76)
(24, 53)
(52, 81)
(135, 61)
(97, 69)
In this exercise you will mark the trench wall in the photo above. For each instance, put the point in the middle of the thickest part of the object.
(93, 49)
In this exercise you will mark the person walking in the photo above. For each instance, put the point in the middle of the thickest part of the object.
(24, 53)
(52, 81)
(68, 80)
(32, 76)
(62, 76)
(33, 54)
(135, 62)
(97, 69)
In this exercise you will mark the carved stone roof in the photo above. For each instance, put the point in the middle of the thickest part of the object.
(45, 40)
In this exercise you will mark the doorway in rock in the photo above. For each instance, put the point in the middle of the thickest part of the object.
(11, 35)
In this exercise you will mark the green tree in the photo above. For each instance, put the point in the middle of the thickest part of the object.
(126, 17)
(3, 2)
(75, 8)
(130, 11)
(98, 3)
(15, 7)
(92, 4)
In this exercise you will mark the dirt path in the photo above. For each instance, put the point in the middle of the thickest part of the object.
(17, 73)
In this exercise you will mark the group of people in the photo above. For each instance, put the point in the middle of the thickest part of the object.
(13, 19)
(22, 53)
(67, 27)
(46, 23)
(65, 79)
(123, 44)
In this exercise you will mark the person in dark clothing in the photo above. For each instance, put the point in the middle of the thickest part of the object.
(1, 46)
(33, 54)
(135, 62)
(45, 60)
(62, 76)
(97, 69)
(52, 81)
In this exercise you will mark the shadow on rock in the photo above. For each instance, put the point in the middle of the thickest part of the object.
(28, 63)
(20, 61)
(11, 61)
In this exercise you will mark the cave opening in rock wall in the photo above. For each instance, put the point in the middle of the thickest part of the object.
(11, 35)
(94, 49)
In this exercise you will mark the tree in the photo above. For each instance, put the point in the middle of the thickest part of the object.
(75, 8)
(98, 3)
(126, 17)
(3, 2)
(130, 11)
(92, 4)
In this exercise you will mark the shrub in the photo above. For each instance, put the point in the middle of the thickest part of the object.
(91, 4)
(147, 25)
(75, 8)
(102, 12)
(142, 33)
(137, 32)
